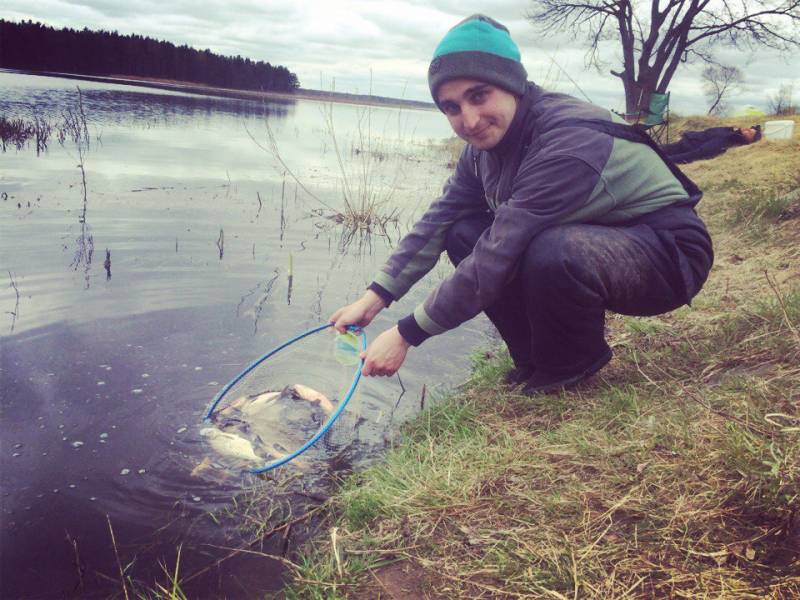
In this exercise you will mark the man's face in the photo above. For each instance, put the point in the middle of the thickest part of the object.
(480, 113)
(748, 134)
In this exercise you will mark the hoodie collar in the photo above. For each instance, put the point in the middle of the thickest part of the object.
(518, 127)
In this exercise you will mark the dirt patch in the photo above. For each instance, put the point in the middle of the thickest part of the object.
(400, 581)
(790, 212)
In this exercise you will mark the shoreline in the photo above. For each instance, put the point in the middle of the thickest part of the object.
(205, 90)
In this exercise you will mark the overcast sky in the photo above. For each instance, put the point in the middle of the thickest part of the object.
(391, 41)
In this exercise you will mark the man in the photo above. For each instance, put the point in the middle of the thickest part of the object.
(551, 217)
(711, 142)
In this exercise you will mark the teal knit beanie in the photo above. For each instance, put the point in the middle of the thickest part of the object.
(478, 48)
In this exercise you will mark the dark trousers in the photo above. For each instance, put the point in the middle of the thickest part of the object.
(686, 151)
(552, 313)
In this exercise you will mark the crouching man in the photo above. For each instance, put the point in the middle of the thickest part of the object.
(554, 214)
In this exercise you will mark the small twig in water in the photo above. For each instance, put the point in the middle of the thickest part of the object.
(107, 264)
(290, 279)
(221, 243)
(74, 543)
(259, 306)
(15, 312)
(285, 541)
(119, 564)
(402, 388)
(77, 127)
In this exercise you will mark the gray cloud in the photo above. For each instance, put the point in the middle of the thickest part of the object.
(347, 40)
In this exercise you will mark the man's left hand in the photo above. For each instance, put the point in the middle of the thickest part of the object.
(386, 354)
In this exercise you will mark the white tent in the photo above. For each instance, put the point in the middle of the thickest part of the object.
(748, 110)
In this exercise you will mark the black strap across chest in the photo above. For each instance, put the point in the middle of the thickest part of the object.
(618, 130)
(634, 134)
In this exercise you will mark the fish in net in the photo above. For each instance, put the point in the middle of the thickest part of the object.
(269, 419)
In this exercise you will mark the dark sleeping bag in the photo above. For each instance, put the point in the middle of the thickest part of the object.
(698, 145)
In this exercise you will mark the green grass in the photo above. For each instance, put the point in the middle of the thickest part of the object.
(757, 211)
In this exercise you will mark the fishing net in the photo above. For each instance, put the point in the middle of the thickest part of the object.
(280, 404)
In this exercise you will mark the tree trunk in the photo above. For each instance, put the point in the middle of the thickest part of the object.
(637, 94)
(637, 97)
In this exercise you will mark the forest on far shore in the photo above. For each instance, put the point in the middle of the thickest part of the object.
(37, 47)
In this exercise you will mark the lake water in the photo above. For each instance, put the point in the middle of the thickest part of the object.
(123, 316)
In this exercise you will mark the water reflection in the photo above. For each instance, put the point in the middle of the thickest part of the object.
(128, 105)
(84, 250)
(76, 129)
(289, 279)
(217, 255)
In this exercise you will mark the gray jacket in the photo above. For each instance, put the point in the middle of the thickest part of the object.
(546, 171)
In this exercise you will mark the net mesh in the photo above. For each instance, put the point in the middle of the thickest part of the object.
(283, 402)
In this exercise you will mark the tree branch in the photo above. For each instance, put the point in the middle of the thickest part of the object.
(657, 37)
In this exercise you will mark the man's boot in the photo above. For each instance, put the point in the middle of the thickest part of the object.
(519, 375)
(547, 382)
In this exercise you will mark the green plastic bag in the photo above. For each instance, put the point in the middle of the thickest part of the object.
(346, 349)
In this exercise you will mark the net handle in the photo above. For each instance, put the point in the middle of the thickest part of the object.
(339, 409)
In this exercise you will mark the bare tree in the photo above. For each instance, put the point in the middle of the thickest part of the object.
(719, 81)
(655, 37)
(781, 103)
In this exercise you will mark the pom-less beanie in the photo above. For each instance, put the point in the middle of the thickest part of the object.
(478, 48)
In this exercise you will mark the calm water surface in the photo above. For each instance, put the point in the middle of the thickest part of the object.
(120, 323)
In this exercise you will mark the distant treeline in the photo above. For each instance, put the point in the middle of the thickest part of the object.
(37, 47)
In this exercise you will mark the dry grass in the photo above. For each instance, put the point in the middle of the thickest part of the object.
(19, 132)
(451, 149)
(674, 474)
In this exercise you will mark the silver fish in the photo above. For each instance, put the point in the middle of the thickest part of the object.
(259, 403)
(230, 445)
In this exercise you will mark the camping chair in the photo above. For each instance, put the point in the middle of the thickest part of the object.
(654, 119)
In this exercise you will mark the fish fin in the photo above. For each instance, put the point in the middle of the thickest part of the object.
(203, 465)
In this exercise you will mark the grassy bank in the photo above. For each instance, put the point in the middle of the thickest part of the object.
(673, 473)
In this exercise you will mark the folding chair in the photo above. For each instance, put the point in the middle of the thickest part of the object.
(654, 119)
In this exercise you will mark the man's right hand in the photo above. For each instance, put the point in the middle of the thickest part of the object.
(359, 313)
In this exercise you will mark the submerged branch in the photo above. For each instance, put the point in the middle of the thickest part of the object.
(15, 313)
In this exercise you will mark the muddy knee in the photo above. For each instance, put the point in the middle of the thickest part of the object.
(559, 254)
